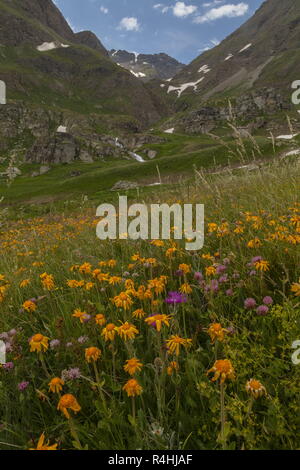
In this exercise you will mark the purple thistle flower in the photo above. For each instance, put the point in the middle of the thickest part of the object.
(220, 269)
(223, 279)
(268, 300)
(214, 285)
(198, 276)
(262, 310)
(250, 303)
(229, 292)
(176, 298)
(12, 332)
(22, 386)
(8, 366)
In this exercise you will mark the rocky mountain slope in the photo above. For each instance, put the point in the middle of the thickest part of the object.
(256, 64)
(147, 66)
(58, 79)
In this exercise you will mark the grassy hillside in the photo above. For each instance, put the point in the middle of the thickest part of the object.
(177, 158)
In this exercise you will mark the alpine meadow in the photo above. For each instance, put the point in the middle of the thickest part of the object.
(149, 227)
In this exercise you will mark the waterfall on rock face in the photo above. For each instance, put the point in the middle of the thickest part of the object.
(137, 157)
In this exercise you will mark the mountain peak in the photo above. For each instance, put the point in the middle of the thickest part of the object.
(147, 66)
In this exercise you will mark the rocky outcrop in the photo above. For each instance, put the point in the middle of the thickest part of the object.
(253, 109)
(124, 185)
(89, 39)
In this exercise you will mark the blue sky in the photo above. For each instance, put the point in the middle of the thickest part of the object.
(182, 29)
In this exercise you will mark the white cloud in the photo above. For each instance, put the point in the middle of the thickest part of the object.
(104, 10)
(181, 10)
(129, 24)
(228, 11)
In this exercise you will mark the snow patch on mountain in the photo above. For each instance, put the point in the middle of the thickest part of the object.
(49, 46)
(245, 48)
(138, 74)
(204, 69)
(228, 57)
(180, 89)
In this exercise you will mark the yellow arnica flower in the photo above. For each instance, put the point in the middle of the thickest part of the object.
(85, 268)
(68, 402)
(186, 288)
(255, 243)
(170, 252)
(47, 281)
(113, 280)
(127, 331)
(111, 263)
(255, 388)
(222, 369)
(143, 293)
(210, 270)
(29, 306)
(89, 286)
(73, 283)
(139, 313)
(173, 367)
(56, 385)
(92, 354)
(157, 284)
(123, 300)
(132, 366)
(158, 243)
(100, 319)
(158, 320)
(81, 315)
(133, 388)
(174, 343)
(186, 268)
(129, 284)
(216, 332)
(39, 343)
(24, 283)
(42, 445)
(262, 265)
(109, 332)
(296, 288)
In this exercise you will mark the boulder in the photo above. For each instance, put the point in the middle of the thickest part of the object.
(152, 154)
(123, 185)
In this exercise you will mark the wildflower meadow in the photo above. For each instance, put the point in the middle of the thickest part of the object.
(144, 345)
